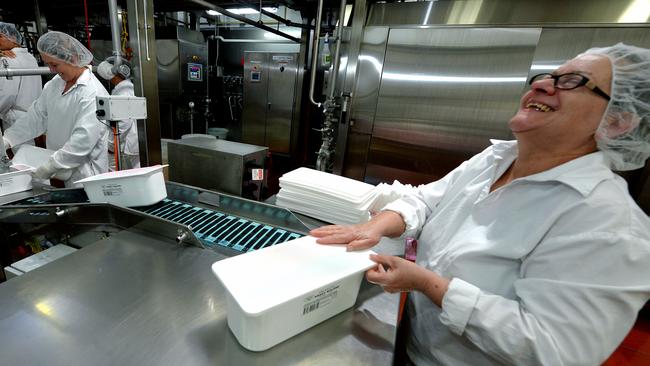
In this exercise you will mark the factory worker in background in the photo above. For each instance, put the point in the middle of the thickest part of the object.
(65, 113)
(532, 252)
(128, 128)
(18, 92)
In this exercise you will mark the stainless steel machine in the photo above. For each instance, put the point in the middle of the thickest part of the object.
(140, 290)
(270, 85)
(221, 165)
(182, 56)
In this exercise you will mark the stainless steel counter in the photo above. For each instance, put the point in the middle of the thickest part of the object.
(134, 299)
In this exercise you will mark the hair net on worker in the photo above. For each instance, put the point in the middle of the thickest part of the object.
(624, 131)
(65, 48)
(9, 31)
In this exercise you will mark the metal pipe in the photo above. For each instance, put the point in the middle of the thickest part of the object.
(244, 19)
(339, 33)
(115, 30)
(23, 72)
(243, 40)
(314, 53)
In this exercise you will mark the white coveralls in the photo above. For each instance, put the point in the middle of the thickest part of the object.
(128, 129)
(70, 124)
(18, 93)
(549, 269)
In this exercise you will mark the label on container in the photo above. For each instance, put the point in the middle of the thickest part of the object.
(258, 174)
(112, 190)
(320, 299)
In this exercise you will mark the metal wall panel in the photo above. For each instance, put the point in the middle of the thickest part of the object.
(508, 12)
(371, 61)
(444, 93)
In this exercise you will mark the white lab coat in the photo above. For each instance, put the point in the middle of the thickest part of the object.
(70, 124)
(549, 269)
(19, 92)
(128, 129)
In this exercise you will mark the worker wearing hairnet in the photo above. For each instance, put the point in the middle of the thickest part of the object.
(18, 92)
(65, 112)
(533, 251)
(118, 76)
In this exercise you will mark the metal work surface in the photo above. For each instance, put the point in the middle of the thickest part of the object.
(134, 299)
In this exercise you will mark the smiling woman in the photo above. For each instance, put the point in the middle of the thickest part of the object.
(65, 113)
(531, 252)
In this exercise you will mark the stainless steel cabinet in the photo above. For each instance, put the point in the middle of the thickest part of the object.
(269, 99)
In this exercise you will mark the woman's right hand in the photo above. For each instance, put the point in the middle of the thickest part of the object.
(356, 237)
(362, 236)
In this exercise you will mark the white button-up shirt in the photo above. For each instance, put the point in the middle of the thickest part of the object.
(70, 124)
(549, 269)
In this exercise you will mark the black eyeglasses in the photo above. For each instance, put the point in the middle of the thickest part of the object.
(570, 81)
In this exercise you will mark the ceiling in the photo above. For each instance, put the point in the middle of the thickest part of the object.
(19, 11)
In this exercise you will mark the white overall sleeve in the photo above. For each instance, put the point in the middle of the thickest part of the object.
(87, 132)
(31, 124)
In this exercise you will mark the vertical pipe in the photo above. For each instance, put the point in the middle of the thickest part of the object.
(339, 33)
(115, 31)
(314, 53)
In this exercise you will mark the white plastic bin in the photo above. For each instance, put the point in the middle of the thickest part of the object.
(277, 292)
(33, 156)
(17, 180)
(129, 188)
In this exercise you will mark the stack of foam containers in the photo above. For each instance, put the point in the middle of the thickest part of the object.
(327, 197)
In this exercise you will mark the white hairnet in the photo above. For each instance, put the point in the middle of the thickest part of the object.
(624, 131)
(65, 48)
(9, 30)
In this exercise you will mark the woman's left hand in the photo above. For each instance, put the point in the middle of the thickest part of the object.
(396, 274)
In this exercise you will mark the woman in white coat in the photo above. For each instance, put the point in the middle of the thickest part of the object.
(19, 92)
(532, 252)
(128, 128)
(65, 113)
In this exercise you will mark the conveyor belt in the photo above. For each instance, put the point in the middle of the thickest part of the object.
(216, 228)
(211, 227)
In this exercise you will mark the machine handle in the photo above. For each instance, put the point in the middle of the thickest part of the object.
(268, 106)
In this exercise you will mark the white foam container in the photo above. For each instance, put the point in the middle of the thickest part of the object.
(129, 188)
(277, 292)
(16, 181)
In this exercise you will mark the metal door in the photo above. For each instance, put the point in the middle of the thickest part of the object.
(255, 98)
(282, 70)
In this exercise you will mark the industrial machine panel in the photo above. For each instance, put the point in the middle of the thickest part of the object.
(221, 165)
(255, 95)
(269, 99)
(283, 72)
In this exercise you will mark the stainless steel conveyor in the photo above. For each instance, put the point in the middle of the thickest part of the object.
(144, 294)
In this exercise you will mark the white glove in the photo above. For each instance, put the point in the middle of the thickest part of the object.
(45, 171)
(6, 142)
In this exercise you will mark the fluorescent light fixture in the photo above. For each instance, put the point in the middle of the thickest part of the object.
(293, 33)
(451, 79)
(637, 12)
(243, 11)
